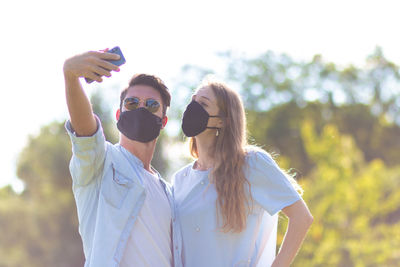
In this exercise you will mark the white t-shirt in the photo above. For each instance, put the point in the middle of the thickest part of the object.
(149, 243)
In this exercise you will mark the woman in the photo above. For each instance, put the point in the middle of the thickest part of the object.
(228, 199)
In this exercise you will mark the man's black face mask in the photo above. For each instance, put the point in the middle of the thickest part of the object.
(139, 125)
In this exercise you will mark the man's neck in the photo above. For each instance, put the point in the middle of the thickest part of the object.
(143, 151)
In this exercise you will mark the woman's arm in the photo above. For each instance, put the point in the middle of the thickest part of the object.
(300, 219)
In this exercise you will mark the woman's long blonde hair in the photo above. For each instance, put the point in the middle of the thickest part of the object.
(229, 152)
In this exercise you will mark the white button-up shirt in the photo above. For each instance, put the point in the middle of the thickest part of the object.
(109, 195)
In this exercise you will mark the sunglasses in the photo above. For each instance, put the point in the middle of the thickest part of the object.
(150, 104)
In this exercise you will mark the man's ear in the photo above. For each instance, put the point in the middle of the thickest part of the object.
(164, 121)
(118, 114)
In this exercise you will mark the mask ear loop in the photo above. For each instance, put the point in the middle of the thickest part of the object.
(217, 128)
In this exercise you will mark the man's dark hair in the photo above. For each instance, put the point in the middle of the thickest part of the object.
(152, 81)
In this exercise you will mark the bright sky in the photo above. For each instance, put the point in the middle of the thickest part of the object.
(160, 37)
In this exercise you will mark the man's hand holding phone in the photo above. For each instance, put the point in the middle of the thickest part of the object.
(93, 65)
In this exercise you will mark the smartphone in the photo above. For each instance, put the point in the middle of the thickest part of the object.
(115, 50)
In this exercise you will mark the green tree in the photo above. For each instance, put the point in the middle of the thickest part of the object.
(41, 223)
(279, 131)
(355, 204)
(270, 79)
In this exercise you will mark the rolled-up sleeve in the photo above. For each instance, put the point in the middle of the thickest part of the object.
(269, 185)
(88, 155)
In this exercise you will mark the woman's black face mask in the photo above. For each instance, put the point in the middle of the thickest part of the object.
(139, 125)
(195, 120)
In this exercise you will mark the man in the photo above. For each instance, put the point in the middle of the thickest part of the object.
(125, 209)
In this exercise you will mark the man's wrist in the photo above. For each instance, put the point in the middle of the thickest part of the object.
(70, 77)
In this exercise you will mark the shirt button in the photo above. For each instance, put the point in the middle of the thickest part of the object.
(176, 247)
(197, 229)
(202, 182)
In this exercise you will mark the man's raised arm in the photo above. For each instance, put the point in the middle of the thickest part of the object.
(92, 65)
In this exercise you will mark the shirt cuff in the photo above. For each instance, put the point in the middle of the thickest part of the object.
(84, 143)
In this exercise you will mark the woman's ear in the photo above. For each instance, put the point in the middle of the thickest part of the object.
(220, 123)
(164, 121)
(118, 114)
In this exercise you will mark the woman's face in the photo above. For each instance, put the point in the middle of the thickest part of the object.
(206, 98)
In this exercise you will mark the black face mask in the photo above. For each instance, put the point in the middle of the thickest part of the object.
(139, 125)
(195, 120)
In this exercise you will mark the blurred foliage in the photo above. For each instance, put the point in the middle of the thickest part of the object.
(41, 227)
(336, 128)
(355, 204)
(279, 131)
(270, 80)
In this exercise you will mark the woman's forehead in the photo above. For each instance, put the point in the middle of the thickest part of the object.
(206, 92)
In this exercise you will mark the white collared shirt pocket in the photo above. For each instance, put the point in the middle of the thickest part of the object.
(115, 190)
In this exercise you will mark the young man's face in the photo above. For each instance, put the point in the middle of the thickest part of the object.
(143, 93)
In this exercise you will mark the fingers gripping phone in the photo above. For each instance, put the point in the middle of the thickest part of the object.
(115, 50)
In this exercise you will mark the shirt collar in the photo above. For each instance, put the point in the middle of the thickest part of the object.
(133, 160)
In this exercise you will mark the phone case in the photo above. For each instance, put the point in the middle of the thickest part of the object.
(117, 50)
